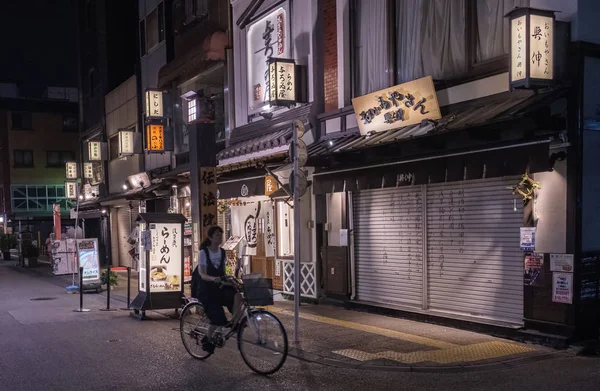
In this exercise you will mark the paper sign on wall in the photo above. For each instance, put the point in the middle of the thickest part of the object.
(527, 239)
(561, 263)
(562, 288)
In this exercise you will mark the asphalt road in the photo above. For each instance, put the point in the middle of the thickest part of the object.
(44, 345)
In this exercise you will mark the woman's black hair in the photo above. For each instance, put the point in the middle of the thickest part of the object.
(211, 231)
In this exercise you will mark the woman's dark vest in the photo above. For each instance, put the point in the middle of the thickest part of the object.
(200, 286)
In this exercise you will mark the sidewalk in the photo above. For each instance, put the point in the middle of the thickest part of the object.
(349, 339)
(339, 337)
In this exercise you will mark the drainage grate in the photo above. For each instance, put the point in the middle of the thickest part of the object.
(114, 340)
(42, 298)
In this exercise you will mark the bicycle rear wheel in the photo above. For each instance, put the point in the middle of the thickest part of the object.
(263, 342)
(193, 327)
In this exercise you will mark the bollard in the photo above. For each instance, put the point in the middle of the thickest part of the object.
(108, 291)
(128, 289)
(81, 309)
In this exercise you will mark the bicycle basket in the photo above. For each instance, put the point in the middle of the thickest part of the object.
(258, 290)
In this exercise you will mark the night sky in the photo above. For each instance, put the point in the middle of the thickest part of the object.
(38, 43)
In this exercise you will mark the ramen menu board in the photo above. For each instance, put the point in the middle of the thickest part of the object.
(165, 257)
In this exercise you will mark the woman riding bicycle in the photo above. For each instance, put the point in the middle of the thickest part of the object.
(211, 293)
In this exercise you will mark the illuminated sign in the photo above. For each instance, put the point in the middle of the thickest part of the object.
(398, 106)
(154, 104)
(155, 138)
(71, 170)
(282, 82)
(126, 145)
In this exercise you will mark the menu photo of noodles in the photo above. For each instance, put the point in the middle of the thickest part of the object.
(165, 258)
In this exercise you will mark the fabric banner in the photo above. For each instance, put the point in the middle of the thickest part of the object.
(248, 220)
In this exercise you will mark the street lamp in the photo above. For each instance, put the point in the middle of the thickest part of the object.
(531, 48)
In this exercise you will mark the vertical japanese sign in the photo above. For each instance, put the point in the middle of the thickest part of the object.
(88, 170)
(541, 38)
(155, 138)
(165, 257)
(518, 49)
(271, 185)
(268, 37)
(71, 170)
(71, 190)
(398, 106)
(95, 150)
(208, 199)
(154, 104)
(125, 143)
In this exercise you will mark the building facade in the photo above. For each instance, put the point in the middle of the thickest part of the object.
(433, 170)
(38, 137)
(108, 56)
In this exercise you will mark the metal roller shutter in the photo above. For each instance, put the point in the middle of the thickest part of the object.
(388, 240)
(475, 267)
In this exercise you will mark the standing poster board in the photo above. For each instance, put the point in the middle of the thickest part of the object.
(88, 259)
(161, 262)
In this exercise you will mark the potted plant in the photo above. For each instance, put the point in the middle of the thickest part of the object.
(7, 242)
(30, 255)
(111, 281)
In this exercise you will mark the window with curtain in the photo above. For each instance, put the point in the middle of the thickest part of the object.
(441, 38)
(371, 46)
(430, 39)
(492, 27)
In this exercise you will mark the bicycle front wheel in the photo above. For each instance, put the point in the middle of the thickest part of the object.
(193, 326)
(263, 342)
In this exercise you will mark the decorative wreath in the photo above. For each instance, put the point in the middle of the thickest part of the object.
(526, 188)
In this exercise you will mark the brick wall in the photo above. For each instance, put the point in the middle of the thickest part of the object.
(330, 56)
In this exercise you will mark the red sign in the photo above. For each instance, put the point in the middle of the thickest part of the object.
(187, 268)
(280, 34)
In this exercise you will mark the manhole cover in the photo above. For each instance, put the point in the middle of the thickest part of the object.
(42, 298)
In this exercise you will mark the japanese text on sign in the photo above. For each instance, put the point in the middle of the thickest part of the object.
(95, 151)
(71, 170)
(208, 197)
(154, 103)
(518, 49)
(402, 105)
(155, 137)
(267, 38)
(541, 41)
(88, 170)
(166, 260)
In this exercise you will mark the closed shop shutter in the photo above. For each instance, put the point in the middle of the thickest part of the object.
(475, 267)
(388, 242)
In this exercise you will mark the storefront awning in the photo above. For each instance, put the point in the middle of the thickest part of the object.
(477, 119)
(499, 161)
(262, 140)
(246, 187)
(135, 194)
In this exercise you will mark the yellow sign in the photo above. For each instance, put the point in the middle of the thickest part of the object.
(395, 107)
(271, 185)
(155, 138)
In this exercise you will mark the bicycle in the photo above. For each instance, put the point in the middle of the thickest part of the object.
(252, 327)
